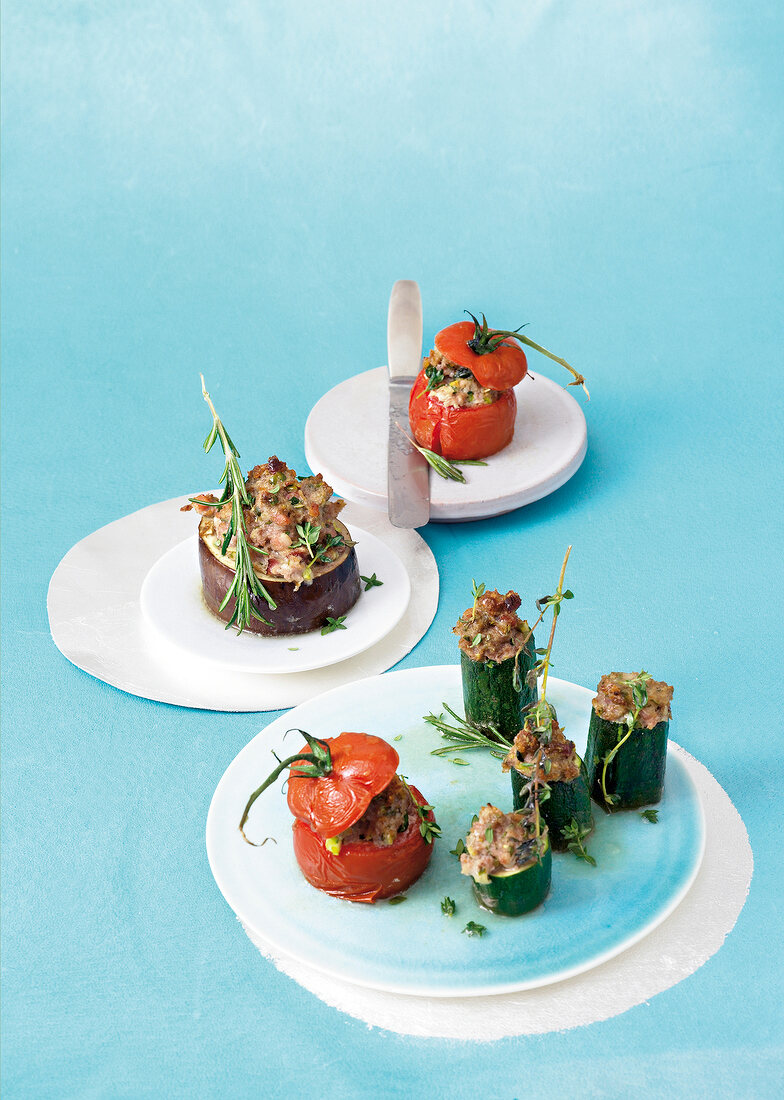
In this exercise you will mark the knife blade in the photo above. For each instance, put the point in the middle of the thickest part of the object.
(408, 482)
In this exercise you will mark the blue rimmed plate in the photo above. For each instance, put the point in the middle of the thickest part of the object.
(591, 914)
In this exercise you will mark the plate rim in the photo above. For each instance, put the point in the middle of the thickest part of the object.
(442, 991)
(265, 671)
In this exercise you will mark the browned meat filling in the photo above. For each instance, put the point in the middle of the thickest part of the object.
(386, 817)
(280, 504)
(491, 629)
(498, 842)
(453, 386)
(614, 700)
(563, 760)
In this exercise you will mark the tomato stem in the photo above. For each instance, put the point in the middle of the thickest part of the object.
(316, 764)
(486, 340)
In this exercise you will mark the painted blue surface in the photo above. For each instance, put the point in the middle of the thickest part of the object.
(233, 188)
(586, 918)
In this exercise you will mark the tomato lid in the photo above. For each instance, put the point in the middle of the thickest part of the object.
(363, 765)
(499, 369)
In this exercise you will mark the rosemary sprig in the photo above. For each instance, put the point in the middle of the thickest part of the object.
(444, 467)
(465, 736)
(246, 585)
(639, 700)
(487, 340)
(575, 835)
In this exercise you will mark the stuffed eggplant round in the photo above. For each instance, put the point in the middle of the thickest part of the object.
(299, 557)
(333, 590)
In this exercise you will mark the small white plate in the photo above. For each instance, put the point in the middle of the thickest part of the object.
(171, 602)
(346, 432)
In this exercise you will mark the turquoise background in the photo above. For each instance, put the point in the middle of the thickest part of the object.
(233, 188)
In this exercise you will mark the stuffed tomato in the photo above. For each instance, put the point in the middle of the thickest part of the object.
(441, 423)
(361, 832)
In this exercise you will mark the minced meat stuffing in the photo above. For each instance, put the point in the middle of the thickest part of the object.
(498, 842)
(614, 700)
(280, 501)
(490, 630)
(454, 386)
(386, 817)
(559, 751)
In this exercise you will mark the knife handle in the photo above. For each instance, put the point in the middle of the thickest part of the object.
(404, 330)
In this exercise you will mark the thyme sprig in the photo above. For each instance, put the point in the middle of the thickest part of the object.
(371, 582)
(474, 929)
(448, 907)
(428, 829)
(246, 585)
(651, 815)
(540, 718)
(487, 340)
(575, 834)
(444, 467)
(334, 624)
(639, 699)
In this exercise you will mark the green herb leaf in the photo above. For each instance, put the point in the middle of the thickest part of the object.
(458, 849)
(651, 815)
(575, 835)
(333, 624)
(371, 582)
(448, 907)
(474, 929)
(398, 738)
(398, 899)
(459, 760)
(489, 835)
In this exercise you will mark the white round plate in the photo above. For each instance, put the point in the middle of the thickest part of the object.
(172, 603)
(346, 433)
(590, 915)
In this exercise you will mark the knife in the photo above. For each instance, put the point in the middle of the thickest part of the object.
(408, 484)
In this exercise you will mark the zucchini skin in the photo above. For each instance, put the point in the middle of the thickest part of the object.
(514, 894)
(636, 773)
(569, 800)
(489, 695)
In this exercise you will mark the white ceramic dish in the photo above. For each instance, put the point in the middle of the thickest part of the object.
(590, 915)
(97, 624)
(172, 603)
(345, 438)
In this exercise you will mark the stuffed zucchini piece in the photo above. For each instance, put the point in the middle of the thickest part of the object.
(497, 653)
(560, 767)
(626, 755)
(509, 860)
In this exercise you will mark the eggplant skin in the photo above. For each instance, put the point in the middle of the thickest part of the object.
(334, 590)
